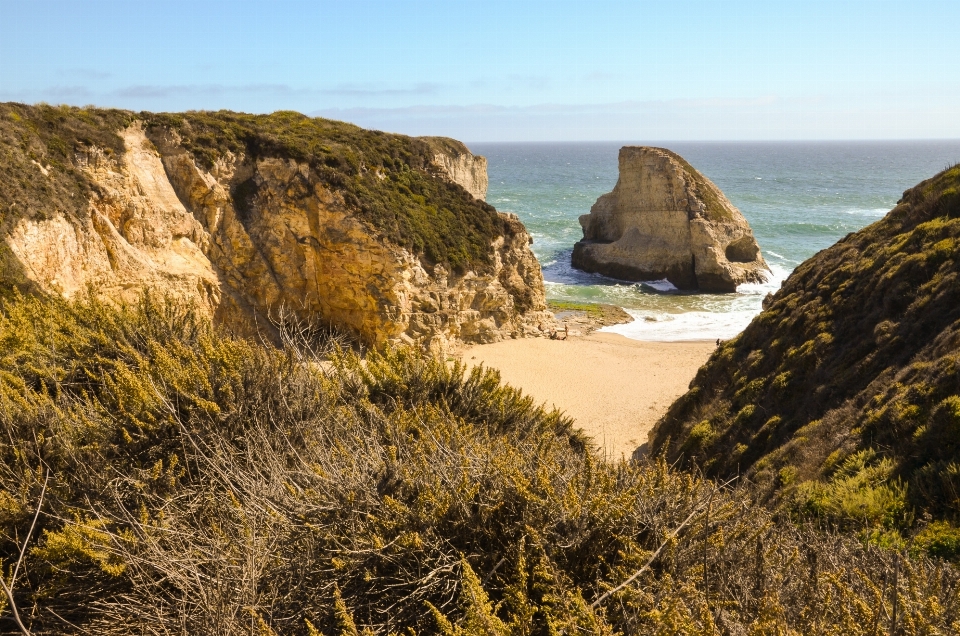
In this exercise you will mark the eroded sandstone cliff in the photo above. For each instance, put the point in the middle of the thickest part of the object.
(247, 230)
(460, 165)
(666, 220)
(135, 234)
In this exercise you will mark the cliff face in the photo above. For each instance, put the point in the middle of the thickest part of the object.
(849, 377)
(260, 229)
(666, 220)
(460, 165)
(135, 234)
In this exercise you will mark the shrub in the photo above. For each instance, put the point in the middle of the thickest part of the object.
(939, 539)
(203, 484)
(859, 494)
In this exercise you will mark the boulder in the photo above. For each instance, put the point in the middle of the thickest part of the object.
(665, 220)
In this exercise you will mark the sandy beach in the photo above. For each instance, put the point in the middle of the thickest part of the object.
(615, 388)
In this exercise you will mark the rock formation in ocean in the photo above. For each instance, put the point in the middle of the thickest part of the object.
(460, 165)
(245, 216)
(666, 220)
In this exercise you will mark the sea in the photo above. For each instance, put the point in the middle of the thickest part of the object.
(799, 198)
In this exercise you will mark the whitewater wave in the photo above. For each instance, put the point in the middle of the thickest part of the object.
(662, 285)
(690, 325)
(871, 212)
(731, 315)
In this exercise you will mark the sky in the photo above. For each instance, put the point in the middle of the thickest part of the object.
(508, 71)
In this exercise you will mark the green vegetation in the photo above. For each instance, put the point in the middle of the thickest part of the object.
(446, 145)
(51, 137)
(388, 180)
(191, 482)
(850, 379)
(706, 191)
(591, 309)
(599, 312)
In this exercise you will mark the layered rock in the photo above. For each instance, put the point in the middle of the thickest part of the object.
(665, 220)
(250, 236)
(459, 165)
(135, 235)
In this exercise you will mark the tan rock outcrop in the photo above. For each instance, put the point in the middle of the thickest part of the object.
(666, 220)
(135, 235)
(161, 222)
(455, 160)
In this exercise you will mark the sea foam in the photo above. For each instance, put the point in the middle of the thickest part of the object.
(737, 312)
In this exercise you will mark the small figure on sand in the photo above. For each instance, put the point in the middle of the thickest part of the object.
(718, 343)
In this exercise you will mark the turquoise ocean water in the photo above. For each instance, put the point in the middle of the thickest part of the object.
(799, 198)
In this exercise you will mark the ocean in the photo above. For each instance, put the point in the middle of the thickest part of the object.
(799, 198)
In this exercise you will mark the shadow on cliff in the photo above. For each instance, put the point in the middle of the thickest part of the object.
(13, 275)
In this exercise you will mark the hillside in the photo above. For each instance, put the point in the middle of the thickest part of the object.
(842, 398)
(160, 477)
(244, 215)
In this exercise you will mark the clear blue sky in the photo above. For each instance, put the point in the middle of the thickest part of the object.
(517, 70)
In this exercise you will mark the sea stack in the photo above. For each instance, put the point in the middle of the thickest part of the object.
(665, 220)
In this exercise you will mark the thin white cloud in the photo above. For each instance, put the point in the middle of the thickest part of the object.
(747, 118)
(367, 91)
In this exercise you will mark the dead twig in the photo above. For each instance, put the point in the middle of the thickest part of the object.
(652, 558)
(8, 588)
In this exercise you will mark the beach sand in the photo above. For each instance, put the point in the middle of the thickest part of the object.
(615, 388)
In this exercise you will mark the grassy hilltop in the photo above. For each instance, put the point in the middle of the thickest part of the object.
(842, 399)
(388, 180)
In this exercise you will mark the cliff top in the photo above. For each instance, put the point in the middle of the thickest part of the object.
(386, 179)
(446, 145)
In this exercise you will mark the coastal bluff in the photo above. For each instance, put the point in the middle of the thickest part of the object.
(665, 220)
(381, 236)
(454, 160)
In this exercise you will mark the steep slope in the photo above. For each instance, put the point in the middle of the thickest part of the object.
(245, 215)
(849, 379)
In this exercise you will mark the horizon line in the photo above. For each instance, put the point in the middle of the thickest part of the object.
(648, 142)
